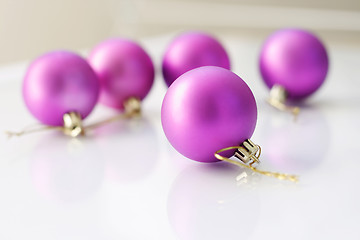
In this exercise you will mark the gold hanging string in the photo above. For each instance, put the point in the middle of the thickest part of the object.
(277, 99)
(73, 123)
(253, 158)
(29, 130)
(132, 108)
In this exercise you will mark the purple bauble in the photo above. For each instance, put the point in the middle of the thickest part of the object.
(125, 70)
(57, 83)
(207, 109)
(192, 50)
(296, 60)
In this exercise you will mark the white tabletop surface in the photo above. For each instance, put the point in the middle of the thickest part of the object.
(125, 181)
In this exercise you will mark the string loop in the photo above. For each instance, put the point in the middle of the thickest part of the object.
(277, 99)
(249, 159)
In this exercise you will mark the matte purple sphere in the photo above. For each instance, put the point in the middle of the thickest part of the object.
(191, 50)
(125, 70)
(207, 109)
(296, 60)
(57, 83)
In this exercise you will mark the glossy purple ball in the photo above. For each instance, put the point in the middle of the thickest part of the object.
(192, 50)
(296, 60)
(125, 70)
(57, 83)
(207, 109)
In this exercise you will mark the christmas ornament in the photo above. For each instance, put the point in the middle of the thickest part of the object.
(125, 71)
(191, 50)
(208, 111)
(293, 64)
(60, 89)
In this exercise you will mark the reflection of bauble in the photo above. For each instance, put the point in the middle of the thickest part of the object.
(205, 202)
(130, 149)
(66, 169)
(295, 146)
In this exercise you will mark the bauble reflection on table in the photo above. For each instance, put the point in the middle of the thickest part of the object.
(66, 170)
(203, 195)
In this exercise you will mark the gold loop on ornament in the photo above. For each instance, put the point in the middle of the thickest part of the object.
(248, 157)
(277, 99)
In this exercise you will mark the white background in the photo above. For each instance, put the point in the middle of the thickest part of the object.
(29, 28)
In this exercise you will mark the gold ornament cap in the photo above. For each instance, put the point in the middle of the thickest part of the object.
(73, 124)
